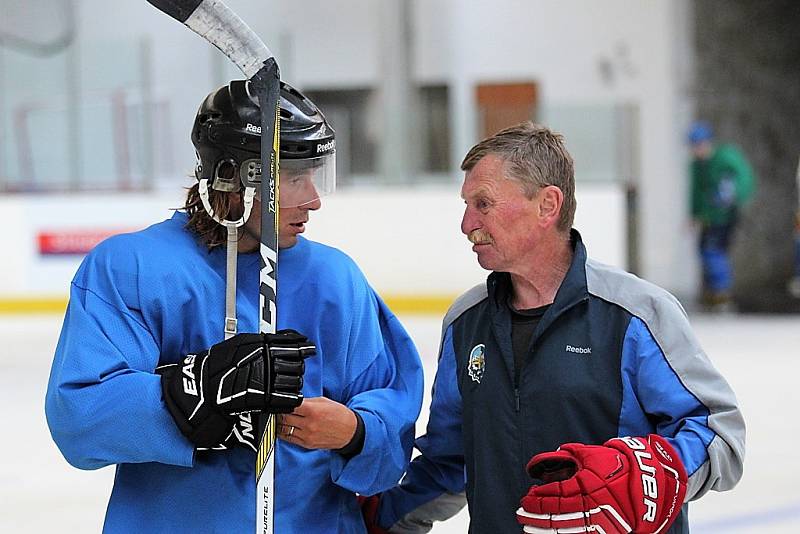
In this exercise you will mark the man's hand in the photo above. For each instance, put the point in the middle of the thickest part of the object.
(626, 485)
(246, 373)
(318, 423)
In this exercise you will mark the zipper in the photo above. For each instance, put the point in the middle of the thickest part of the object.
(517, 379)
(534, 339)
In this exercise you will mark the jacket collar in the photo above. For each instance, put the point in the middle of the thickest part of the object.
(573, 288)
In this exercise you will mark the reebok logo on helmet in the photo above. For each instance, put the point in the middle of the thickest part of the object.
(325, 147)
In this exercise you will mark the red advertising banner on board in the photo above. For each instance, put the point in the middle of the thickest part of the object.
(77, 242)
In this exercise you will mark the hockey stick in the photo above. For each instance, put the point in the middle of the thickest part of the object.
(221, 27)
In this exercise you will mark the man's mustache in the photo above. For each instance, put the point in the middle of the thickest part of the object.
(479, 237)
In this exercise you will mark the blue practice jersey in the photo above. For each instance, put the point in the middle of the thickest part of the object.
(148, 298)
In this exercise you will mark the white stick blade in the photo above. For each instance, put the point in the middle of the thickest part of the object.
(224, 29)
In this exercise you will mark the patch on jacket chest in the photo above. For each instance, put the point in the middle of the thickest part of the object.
(476, 363)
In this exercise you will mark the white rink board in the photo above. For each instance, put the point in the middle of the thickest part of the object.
(406, 240)
(758, 355)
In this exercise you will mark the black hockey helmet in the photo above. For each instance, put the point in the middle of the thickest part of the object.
(227, 137)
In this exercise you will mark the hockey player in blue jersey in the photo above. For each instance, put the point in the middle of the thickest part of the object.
(143, 380)
(570, 396)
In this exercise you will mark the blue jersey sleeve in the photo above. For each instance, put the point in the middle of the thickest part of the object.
(387, 394)
(439, 469)
(103, 402)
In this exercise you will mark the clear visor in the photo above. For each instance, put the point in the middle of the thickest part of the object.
(303, 181)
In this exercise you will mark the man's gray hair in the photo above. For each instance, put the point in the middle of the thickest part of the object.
(536, 157)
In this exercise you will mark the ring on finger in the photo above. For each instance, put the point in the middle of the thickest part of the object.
(291, 431)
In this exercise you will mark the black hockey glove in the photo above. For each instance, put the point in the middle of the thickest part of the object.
(206, 391)
(246, 432)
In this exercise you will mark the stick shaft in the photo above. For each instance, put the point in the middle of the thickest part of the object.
(266, 85)
(221, 27)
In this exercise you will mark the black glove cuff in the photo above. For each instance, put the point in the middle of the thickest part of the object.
(206, 431)
(356, 443)
(167, 373)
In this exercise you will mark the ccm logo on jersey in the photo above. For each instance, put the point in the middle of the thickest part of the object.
(189, 383)
(649, 484)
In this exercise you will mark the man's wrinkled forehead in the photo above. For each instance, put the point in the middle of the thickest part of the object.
(484, 180)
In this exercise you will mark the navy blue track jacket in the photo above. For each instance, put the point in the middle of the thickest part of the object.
(613, 356)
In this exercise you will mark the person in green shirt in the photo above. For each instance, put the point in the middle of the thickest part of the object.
(722, 182)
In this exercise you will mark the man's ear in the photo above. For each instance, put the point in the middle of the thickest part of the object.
(551, 199)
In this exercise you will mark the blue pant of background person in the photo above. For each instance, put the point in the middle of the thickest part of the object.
(715, 243)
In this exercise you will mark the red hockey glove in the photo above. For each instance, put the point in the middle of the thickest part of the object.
(369, 509)
(626, 485)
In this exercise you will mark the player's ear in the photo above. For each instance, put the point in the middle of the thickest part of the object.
(551, 199)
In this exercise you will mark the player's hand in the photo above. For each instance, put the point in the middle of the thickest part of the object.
(626, 485)
(247, 373)
(369, 509)
(246, 432)
(318, 423)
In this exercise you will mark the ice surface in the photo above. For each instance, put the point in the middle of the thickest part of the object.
(759, 355)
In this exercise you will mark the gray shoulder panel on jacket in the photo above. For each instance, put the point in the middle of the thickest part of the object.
(669, 325)
(464, 302)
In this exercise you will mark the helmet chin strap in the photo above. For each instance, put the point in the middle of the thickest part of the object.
(231, 250)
